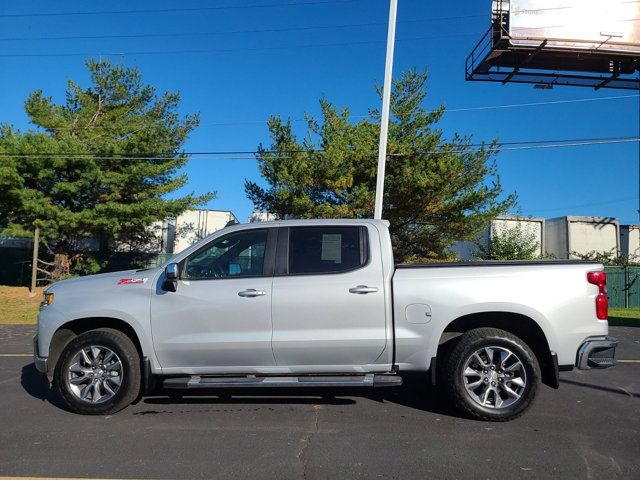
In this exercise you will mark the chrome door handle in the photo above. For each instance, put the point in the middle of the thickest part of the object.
(363, 289)
(251, 292)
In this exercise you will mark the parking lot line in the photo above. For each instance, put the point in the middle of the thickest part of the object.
(56, 478)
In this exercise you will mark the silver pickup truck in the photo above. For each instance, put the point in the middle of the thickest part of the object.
(320, 303)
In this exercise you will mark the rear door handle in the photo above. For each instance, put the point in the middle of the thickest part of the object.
(251, 292)
(362, 290)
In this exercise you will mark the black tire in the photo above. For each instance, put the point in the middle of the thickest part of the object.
(129, 388)
(454, 379)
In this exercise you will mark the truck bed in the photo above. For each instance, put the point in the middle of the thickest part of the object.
(496, 263)
(554, 294)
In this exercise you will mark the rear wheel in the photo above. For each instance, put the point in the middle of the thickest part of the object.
(491, 374)
(98, 373)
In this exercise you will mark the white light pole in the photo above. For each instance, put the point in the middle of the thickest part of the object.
(386, 100)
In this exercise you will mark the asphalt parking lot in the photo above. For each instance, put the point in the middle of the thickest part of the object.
(590, 428)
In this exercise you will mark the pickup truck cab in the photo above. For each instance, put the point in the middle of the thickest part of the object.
(321, 303)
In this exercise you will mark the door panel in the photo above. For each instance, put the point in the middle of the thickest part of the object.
(206, 323)
(317, 320)
(220, 313)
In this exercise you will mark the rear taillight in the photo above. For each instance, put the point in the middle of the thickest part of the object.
(599, 279)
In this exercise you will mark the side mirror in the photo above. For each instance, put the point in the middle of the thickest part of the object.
(171, 275)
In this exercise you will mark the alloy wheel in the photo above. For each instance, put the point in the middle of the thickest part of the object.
(494, 377)
(95, 374)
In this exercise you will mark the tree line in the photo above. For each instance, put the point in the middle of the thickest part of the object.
(107, 162)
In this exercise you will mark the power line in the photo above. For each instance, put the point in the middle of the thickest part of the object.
(447, 110)
(538, 147)
(250, 155)
(192, 34)
(223, 50)
(463, 109)
(535, 104)
(175, 10)
(227, 32)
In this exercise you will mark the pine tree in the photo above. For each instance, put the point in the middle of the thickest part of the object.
(100, 165)
(437, 191)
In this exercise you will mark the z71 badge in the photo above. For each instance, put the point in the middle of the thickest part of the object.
(132, 281)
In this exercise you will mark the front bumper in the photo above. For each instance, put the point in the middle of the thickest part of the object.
(597, 353)
(42, 363)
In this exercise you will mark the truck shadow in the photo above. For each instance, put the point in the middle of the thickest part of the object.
(617, 391)
(37, 385)
(415, 393)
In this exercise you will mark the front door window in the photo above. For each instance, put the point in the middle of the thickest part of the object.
(236, 255)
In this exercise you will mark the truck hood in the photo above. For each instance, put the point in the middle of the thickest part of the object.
(106, 281)
(122, 296)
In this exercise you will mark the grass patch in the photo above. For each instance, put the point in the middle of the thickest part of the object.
(17, 307)
(624, 317)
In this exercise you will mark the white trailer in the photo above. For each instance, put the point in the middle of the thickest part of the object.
(570, 237)
(529, 225)
(630, 242)
(191, 226)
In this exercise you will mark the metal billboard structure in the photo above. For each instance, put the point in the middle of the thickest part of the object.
(588, 43)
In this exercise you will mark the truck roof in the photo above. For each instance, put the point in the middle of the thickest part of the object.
(315, 221)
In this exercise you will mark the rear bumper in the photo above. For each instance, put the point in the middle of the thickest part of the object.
(42, 363)
(597, 353)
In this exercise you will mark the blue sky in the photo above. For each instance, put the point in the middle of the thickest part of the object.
(239, 74)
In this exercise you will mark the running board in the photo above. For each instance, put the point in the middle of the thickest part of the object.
(251, 381)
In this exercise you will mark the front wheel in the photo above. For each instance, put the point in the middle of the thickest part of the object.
(491, 374)
(98, 373)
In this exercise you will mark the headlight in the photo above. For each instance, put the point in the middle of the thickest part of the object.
(48, 298)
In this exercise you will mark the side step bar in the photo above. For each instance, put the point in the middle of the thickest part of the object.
(369, 380)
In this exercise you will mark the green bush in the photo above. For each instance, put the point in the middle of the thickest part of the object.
(512, 243)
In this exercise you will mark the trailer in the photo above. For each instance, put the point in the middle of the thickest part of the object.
(630, 242)
(191, 226)
(573, 237)
(530, 226)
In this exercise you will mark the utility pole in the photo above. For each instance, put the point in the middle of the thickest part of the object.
(34, 262)
(386, 101)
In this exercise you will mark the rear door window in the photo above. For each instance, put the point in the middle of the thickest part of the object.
(318, 250)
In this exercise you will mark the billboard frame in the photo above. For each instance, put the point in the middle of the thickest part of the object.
(496, 59)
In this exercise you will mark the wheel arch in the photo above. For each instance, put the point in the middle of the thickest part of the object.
(72, 329)
(517, 324)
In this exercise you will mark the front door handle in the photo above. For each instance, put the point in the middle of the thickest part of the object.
(362, 290)
(252, 292)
